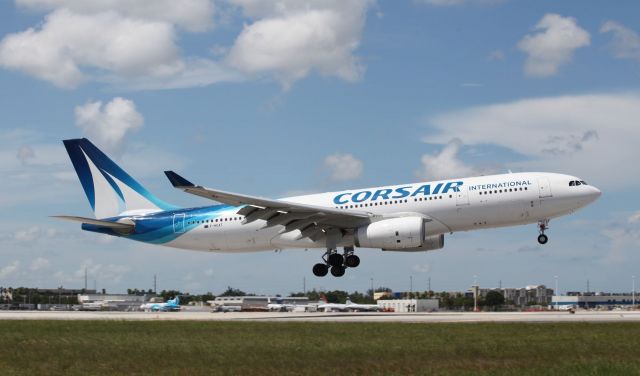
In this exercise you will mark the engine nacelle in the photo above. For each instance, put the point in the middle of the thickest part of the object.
(431, 243)
(398, 234)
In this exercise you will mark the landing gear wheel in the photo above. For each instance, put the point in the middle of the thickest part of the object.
(335, 259)
(543, 239)
(337, 271)
(320, 270)
(352, 261)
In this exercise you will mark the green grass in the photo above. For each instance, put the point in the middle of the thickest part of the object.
(188, 348)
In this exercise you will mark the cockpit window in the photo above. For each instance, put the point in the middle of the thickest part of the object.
(574, 183)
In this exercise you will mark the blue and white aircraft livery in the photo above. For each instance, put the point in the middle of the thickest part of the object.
(403, 218)
(170, 306)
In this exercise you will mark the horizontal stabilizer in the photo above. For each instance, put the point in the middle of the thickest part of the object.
(97, 222)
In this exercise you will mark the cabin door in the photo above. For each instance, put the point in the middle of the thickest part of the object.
(178, 223)
(544, 188)
(462, 196)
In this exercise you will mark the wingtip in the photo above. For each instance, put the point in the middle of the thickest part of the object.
(177, 180)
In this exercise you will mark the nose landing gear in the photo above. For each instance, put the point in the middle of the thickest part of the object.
(542, 226)
(336, 263)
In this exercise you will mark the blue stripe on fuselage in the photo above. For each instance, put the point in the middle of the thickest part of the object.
(158, 228)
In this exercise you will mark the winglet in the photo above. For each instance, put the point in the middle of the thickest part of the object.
(177, 180)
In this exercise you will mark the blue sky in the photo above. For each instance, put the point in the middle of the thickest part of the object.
(275, 98)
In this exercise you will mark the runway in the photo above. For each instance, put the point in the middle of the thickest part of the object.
(435, 317)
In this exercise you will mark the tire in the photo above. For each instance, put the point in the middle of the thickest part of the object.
(337, 271)
(352, 261)
(320, 270)
(335, 259)
(543, 239)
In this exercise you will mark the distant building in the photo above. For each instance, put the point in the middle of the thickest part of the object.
(409, 305)
(593, 300)
(382, 294)
(523, 296)
(6, 294)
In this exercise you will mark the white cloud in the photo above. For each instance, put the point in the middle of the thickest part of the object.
(10, 269)
(496, 55)
(27, 235)
(25, 152)
(587, 135)
(291, 38)
(192, 15)
(421, 268)
(134, 45)
(109, 272)
(625, 43)
(445, 164)
(449, 3)
(39, 264)
(109, 124)
(552, 45)
(623, 236)
(66, 42)
(343, 167)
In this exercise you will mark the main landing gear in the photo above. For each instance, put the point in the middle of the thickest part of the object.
(542, 226)
(336, 262)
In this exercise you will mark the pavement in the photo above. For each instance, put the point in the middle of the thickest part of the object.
(419, 317)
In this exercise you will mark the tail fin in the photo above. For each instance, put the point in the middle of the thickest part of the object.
(109, 188)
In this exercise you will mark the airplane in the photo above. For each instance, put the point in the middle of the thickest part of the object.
(278, 305)
(171, 305)
(226, 308)
(325, 306)
(401, 218)
(349, 306)
(362, 307)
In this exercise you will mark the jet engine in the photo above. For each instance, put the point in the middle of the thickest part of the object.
(404, 234)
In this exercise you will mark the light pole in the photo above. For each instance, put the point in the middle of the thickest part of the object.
(410, 287)
(556, 291)
(475, 293)
(371, 288)
(633, 291)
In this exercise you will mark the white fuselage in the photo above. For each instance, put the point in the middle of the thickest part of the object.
(468, 204)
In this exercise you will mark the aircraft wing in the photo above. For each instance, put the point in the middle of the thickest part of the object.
(313, 221)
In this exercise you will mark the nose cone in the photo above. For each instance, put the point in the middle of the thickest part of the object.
(593, 193)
